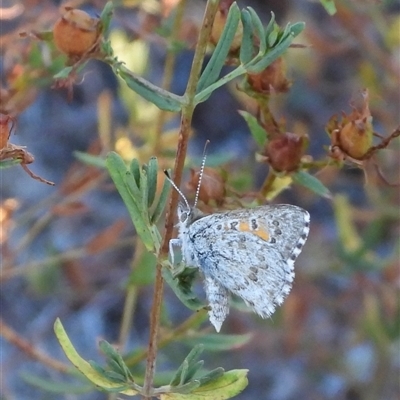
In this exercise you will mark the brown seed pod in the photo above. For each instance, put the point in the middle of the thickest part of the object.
(75, 33)
(352, 136)
(356, 138)
(271, 79)
(284, 151)
(212, 185)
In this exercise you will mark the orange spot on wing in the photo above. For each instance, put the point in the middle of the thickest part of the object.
(244, 227)
(264, 235)
(261, 233)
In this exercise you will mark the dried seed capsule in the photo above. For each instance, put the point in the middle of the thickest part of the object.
(75, 32)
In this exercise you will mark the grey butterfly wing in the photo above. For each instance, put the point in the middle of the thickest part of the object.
(218, 299)
(249, 267)
(249, 253)
(288, 226)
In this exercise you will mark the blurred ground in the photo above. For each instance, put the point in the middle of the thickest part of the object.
(336, 336)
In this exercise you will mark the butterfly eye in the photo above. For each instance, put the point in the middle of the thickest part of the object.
(183, 216)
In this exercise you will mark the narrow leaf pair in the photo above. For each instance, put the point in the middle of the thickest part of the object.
(137, 186)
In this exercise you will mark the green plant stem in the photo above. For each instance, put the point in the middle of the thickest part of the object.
(168, 73)
(130, 299)
(129, 306)
(267, 185)
(240, 70)
(187, 114)
(209, 15)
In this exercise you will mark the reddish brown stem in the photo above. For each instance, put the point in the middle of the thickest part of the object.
(12, 337)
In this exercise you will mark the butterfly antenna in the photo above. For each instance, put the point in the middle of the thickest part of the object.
(203, 164)
(177, 189)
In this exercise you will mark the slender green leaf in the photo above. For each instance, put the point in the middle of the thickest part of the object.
(276, 52)
(218, 342)
(176, 379)
(257, 131)
(247, 51)
(110, 352)
(52, 386)
(106, 16)
(162, 200)
(329, 6)
(187, 387)
(218, 58)
(90, 159)
(134, 168)
(270, 27)
(125, 183)
(193, 369)
(285, 33)
(182, 288)
(155, 234)
(144, 192)
(116, 367)
(161, 98)
(297, 28)
(136, 193)
(272, 38)
(107, 349)
(194, 354)
(97, 367)
(224, 387)
(83, 366)
(211, 376)
(259, 28)
(184, 369)
(303, 178)
(152, 172)
(109, 375)
(117, 378)
(180, 375)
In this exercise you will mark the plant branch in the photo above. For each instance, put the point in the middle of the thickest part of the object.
(130, 299)
(240, 70)
(187, 113)
(26, 347)
(70, 255)
(168, 72)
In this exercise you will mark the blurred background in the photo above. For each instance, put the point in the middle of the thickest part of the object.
(70, 250)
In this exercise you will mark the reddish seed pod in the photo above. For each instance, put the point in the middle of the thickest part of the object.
(284, 152)
(271, 80)
(352, 135)
(355, 138)
(212, 185)
(75, 33)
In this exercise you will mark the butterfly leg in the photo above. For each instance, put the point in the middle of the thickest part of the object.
(172, 243)
(176, 269)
